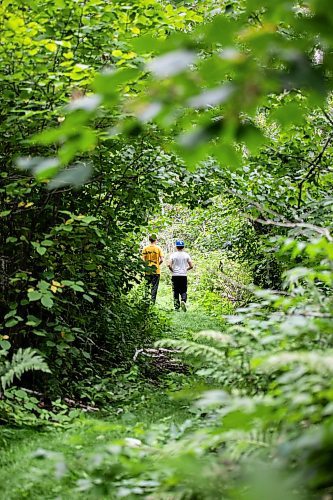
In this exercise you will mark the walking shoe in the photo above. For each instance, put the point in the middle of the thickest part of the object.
(183, 306)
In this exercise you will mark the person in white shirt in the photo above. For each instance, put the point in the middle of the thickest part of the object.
(180, 262)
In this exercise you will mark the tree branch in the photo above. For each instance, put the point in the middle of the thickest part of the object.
(315, 164)
(323, 231)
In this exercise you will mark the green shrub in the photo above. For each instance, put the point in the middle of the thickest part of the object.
(220, 284)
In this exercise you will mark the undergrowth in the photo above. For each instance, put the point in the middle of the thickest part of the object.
(55, 460)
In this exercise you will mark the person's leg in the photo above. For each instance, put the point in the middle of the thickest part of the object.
(154, 286)
(148, 278)
(183, 288)
(175, 292)
(183, 292)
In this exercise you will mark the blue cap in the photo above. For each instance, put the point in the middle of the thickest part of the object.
(180, 243)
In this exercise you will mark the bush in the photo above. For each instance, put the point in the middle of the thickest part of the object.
(219, 283)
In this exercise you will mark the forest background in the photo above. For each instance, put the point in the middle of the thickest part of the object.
(206, 120)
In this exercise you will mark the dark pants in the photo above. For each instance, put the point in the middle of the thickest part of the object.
(179, 286)
(153, 282)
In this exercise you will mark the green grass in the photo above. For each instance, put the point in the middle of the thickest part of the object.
(183, 325)
(23, 476)
(142, 409)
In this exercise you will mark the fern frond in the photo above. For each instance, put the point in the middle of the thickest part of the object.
(241, 445)
(315, 361)
(208, 353)
(238, 329)
(22, 361)
(221, 338)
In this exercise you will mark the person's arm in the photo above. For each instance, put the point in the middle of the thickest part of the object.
(190, 264)
(170, 265)
(161, 257)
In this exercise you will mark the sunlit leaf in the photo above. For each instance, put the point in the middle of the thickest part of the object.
(87, 103)
(74, 176)
(171, 63)
(212, 97)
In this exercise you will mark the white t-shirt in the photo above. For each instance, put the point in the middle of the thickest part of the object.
(179, 263)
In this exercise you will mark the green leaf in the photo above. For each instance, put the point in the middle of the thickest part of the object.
(221, 30)
(41, 250)
(43, 285)
(4, 344)
(171, 63)
(33, 321)
(107, 83)
(40, 333)
(290, 113)
(87, 103)
(146, 43)
(47, 301)
(90, 266)
(251, 136)
(46, 169)
(19, 393)
(67, 228)
(11, 322)
(87, 297)
(227, 155)
(212, 97)
(74, 176)
(87, 219)
(10, 314)
(34, 295)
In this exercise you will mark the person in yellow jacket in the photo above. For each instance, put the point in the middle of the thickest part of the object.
(152, 254)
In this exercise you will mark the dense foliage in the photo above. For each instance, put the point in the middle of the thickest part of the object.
(68, 256)
(206, 120)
